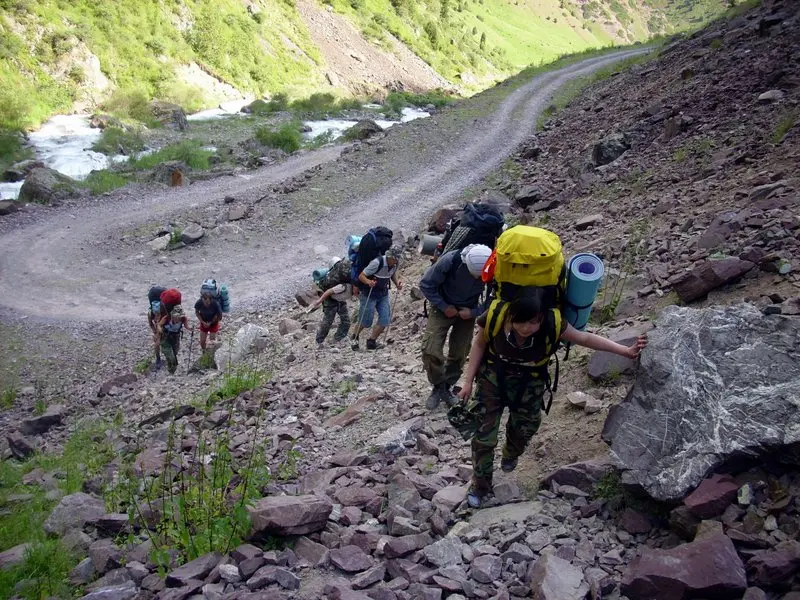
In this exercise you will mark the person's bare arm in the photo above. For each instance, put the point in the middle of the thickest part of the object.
(475, 358)
(596, 342)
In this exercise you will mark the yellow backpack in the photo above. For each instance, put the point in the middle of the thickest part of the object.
(527, 256)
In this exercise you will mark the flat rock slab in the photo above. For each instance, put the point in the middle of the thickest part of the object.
(712, 496)
(708, 568)
(703, 395)
(556, 579)
(512, 512)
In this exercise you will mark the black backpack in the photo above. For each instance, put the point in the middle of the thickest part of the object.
(372, 245)
(154, 295)
(479, 224)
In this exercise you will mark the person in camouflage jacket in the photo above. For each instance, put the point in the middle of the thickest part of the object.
(337, 290)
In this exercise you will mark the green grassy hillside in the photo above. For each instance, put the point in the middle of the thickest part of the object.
(56, 53)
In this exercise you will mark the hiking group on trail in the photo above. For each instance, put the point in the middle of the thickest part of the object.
(167, 320)
(501, 298)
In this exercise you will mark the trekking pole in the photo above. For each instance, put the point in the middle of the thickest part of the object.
(191, 343)
(391, 317)
(361, 313)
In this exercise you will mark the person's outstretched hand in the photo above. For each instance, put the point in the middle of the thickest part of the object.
(466, 391)
(636, 349)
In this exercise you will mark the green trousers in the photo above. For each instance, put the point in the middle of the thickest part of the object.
(522, 395)
(331, 308)
(440, 369)
(170, 346)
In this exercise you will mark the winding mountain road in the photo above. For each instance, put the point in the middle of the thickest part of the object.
(64, 264)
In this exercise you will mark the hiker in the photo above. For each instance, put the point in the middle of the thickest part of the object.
(209, 314)
(337, 290)
(510, 367)
(453, 286)
(153, 317)
(374, 283)
(170, 328)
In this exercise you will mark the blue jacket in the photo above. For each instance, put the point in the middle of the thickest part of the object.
(448, 282)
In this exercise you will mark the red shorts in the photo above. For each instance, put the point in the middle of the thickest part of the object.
(212, 329)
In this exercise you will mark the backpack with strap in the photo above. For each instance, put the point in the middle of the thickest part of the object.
(528, 257)
(154, 298)
(218, 292)
(479, 224)
(372, 245)
(339, 273)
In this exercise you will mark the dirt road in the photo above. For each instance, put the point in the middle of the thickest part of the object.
(70, 259)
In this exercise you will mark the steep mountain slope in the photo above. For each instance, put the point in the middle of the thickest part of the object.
(60, 56)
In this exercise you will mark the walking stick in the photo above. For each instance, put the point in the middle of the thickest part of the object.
(191, 343)
(361, 313)
(391, 317)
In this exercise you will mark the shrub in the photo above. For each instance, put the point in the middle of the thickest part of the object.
(131, 104)
(288, 138)
(191, 152)
(234, 382)
(316, 104)
(114, 140)
(100, 182)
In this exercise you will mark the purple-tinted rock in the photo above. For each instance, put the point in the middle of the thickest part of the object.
(708, 276)
(289, 515)
(351, 559)
(706, 568)
(712, 496)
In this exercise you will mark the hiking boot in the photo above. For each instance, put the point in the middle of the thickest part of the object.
(372, 345)
(434, 398)
(354, 343)
(474, 499)
(508, 464)
(448, 396)
(159, 364)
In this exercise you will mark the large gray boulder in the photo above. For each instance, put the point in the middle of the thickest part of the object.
(713, 384)
(169, 114)
(47, 186)
(363, 130)
(610, 148)
(250, 339)
(73, 512)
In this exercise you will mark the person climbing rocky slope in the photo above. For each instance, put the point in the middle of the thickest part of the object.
(368, 485)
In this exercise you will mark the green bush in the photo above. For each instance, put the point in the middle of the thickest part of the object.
(316, 104)
(114, 140)
(131, 104)
(191, 152)
(277, 103)
(100, 182)
(288, 138)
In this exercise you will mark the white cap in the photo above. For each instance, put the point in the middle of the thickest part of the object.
(475, 257)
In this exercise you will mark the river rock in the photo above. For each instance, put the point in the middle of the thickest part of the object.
(363, 130)
(47, 186)
(102, 121)
(722, 402)
(19, 171)
(8, 206)
(556, 579)
(708, 568)
(249, 340)
(709, 275)
(74, 511)
(610, 148)
(169, 114)
(289, 515)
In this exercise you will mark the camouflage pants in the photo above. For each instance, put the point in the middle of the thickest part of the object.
(170, 346)
(331, 308)
(523, 398)
(439, 369)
